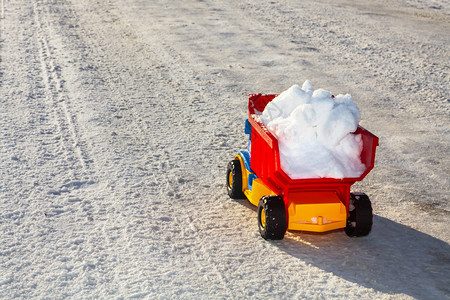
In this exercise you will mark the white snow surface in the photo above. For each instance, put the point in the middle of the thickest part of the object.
(118, 118)
(315, 130)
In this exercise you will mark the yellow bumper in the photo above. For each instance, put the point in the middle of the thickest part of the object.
(316, 211)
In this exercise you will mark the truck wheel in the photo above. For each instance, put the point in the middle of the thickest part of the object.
(359, 222)
(234, 180)
(272, 218)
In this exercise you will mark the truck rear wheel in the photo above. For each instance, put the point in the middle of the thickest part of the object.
(272, 218)
(359, 222)
(234, 180)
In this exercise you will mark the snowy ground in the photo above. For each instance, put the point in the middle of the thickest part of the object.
(118, 118)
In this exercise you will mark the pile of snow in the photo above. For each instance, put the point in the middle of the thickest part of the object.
(315, 133)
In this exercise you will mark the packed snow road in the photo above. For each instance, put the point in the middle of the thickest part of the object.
(118, 119)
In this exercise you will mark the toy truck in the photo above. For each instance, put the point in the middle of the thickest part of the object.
(316, 204)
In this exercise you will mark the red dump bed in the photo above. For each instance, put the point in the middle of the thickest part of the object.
(265, 158)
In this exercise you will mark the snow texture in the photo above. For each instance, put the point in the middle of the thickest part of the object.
(118, 119)
(315, 130)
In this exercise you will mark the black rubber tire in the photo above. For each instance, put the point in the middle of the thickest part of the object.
(234, 188)
(273, 225)
(359, 222)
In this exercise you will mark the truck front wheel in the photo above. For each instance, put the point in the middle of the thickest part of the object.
(272, 218)
(234, 180)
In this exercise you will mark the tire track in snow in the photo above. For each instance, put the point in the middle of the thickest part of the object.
(58, 220)
(57, 96)
(43, 168)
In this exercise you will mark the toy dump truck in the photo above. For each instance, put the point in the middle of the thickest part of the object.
(316, 204)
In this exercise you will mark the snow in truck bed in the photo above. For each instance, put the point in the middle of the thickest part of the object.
(315, 133)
